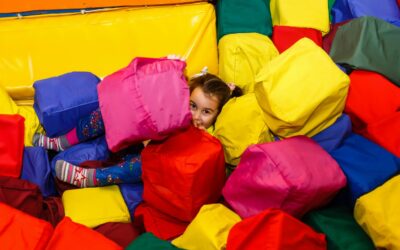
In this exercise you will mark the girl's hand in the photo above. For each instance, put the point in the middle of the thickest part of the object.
(202, 128)
(176, 57)
(199, 126)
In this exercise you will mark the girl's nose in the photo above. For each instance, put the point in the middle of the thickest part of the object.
(196, 115)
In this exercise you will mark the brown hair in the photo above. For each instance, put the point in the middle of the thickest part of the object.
(214, 86)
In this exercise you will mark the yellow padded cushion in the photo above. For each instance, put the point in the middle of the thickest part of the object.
(378, 214)
(306, 13)
(7, 106)
(209, 229)
(301, 91)
(102, 42)
(95, 206)
(31, 123)
(239, 125)
(241, 57)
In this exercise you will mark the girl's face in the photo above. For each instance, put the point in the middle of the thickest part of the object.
(204, 108)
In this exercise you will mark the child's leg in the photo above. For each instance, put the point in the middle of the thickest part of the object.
(57, 143)
(129, 171)
(80, 177)
(89, 127)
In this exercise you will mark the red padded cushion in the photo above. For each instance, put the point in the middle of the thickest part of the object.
(11, 145)
(19, 230)
(70, 235)
(121, 233)
(284, 36)
(274, 229)
(183, 173)
(22, 195)
(373, 104)
(161, 225)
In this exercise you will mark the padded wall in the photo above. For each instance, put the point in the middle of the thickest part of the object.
(31, 5)
(38, 47)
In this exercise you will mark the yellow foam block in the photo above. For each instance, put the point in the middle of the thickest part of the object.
(95, 206)
(7, 106)
(31, 123)
(301, 91)
(239, 125)
(241, 57)
(306, 13)
(102, 42)
(377, 213)
(209, 229)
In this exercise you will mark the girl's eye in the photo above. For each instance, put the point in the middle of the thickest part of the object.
(192, 106)
(206, 111)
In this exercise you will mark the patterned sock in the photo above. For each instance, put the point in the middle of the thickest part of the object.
(57, 143)
(80, 177)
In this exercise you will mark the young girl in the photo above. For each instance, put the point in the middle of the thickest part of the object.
(208, 94)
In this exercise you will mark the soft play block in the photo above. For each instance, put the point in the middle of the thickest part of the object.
(183, 172)
(36, 169)
(22, 231)
(121, 233)
(368, 43)
(132, 194)
(365, 164)
(59, 105)
(146, 100)
(8, 106)
(241, 57)
(331, 137)
(11, 144)
(148, 241)
(160, 224)
(32, 123)
(307, 14)
(341, 11)
(303, 72)
(239, 125)
(53, 210)
(348, 9)
(102, 42)
(328, 39)
(377, 213)
(285, 36)
(386, 133)
(296, 175)
(22, 195)
(274, 229)
(340, 228)
(70, 235)
(364, 110)
(383, 9)
(95, 206)
(209, 229)
(31, 5)
(330, 5)
(242, 16)
(376, 118)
